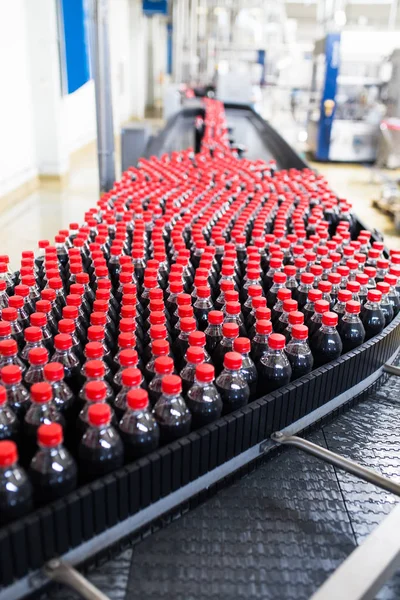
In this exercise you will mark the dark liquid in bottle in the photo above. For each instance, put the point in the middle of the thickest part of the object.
(271, 378)
(56, 482)
(233, 390)
(15, 496)
(96, 460)
(301, 364)
(325, 347)
(205, 405)
(250, 374)
(138, 444)
(352, 334)
(373, 321)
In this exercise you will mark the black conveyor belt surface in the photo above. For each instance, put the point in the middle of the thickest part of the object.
(279, 532)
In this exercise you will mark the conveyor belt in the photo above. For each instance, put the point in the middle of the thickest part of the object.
(279, 532)
(261, 140)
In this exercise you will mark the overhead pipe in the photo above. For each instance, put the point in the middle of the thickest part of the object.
(98, 18)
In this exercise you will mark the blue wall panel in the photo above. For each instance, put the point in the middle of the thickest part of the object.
(75, 42)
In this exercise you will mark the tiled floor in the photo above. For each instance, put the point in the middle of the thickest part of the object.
(41, 214)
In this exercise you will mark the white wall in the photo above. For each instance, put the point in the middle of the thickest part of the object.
(17, 147)
(39, 127)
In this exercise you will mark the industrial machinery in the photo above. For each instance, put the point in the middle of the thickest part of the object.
(346, 107)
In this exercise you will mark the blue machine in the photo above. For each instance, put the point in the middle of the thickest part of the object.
(343, 117)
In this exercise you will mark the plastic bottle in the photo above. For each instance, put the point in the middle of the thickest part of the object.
(203, 399)
(288, 306)
(38, 358)
(11, 315)
(163, 365)
(138, 428)
(194, 356)
(181, 344)
(248, 369)
(127, 358)
(325, 343)
(63, 354)
(9, 354)
(131, 379)
(259, 343)
(170, 410)
(320, 307)
(15, 487)
(18, 397)
(53, 471)
(394, 296)
(279, 281)
(298, 352)
(231, 384)
(202, 307)
(214, 330)
(42, 410)
(9, 424)
(309, 308)
(283, 294)
(230, 331)
(63, 398)
(100, 450)
(301, 294)
(372, 316)
(344, 296)
(294, 318)
(386, 305)
(350, 328)
(33, 339)
(274, 369)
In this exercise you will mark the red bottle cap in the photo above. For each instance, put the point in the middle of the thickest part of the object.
(131, 377)
(242, 345)
(325, 286)
(98, 318)
(38, 356)
(164, 365)
(8, 453)
(279, 277)
(289, 305)
(16, 302)
(276, 341)
(232, 360)
(41, 392)
(47, 294)
(183, 300)
(321, 306)
(99, 413)
(3, 395)
(95, 391)
(370, 271)
(22, 290)
(254, 291)
(160, 347)
(203, 292)
(334, 278)
(55, 283)
(353, 287)
(205, 373)
(264, 327)
(63, 341)
(391, 279)
(300, 332)
(94, 350)
(128, 358)
(95, 368)
(353, 307)
(231, 296)
(66, 326)
(53, 371)
(374, 295)
(233, 308)
(227, 285)
(38, 319)
(362, 278)
(9, 314)
(11, 374)
(50, 435)
(197, 338)
(215, 317)
(5, 328)
(33, 334)
(296, 317)
(230, 330)
(70, 312)
(8, 347)
(171, 384)
(263, 314)
(137, 399)
(306, 278)
(330, 318)
(74, 300)
(344, 295)
(188, 324)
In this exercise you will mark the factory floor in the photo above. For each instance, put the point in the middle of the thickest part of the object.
(52, 206)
